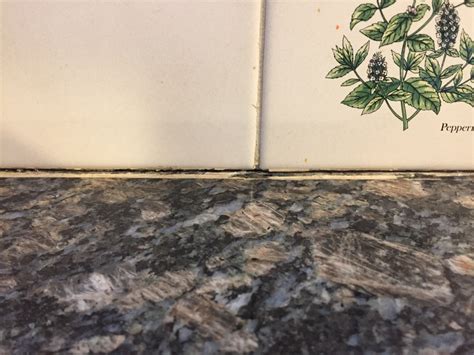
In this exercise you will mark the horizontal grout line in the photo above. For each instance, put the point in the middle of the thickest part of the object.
(232, 174)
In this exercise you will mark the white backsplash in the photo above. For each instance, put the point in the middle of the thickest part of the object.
(174, 84)
(129, 84)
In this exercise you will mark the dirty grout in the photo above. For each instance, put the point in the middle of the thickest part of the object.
(232, 174)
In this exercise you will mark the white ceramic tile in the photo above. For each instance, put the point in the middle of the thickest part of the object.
(128, 83)
(305, 126)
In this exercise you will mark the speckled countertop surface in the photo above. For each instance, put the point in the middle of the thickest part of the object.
(237, 266)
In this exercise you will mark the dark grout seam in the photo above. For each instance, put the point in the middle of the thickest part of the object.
(32, 172)
(261, 57)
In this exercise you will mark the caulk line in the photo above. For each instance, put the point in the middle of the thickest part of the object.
(261, 57)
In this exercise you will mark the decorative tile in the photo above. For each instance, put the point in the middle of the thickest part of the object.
(305, 125)
(129, 84)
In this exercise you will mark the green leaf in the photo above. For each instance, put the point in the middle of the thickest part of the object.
(386, 87)
(397, 29)
(350, 82)
(469, 3)
(399, 95)
(361, 54)
(338, 55)
(414, 60)
(363, 12)
(423, 95)
(373, 105)
(360, 96)
(386, 3)
(451, 70)
(467, 94)
(458, 78)
(436, 5)
(436, 54)
(472, 73)
(421, 11)
(342, 56)
(338, 72)
(347, 50)
(397, 58)
(466, 48)
(375, 31)
(453, 52)
(432, 67)
(463, 93)
(434, 81)
(420, 43)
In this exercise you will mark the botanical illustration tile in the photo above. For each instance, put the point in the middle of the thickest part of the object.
(376, 84)
(128, 84)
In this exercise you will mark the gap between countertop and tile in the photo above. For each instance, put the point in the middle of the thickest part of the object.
(231, 174)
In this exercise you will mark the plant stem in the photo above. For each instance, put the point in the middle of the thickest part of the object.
(405, 76)
(402, 60)
(402, 80)
(381, 12)
(406, 119)
(393, 111)
(404, 116)
(360, 78)
(444, 61)
(433, 15)
(414, 115)
(464, 82)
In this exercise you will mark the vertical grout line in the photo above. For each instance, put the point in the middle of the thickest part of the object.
(261, 55)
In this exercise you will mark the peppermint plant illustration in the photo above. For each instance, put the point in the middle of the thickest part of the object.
(424, 73)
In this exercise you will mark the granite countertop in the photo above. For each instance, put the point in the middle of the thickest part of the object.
(257, 265)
